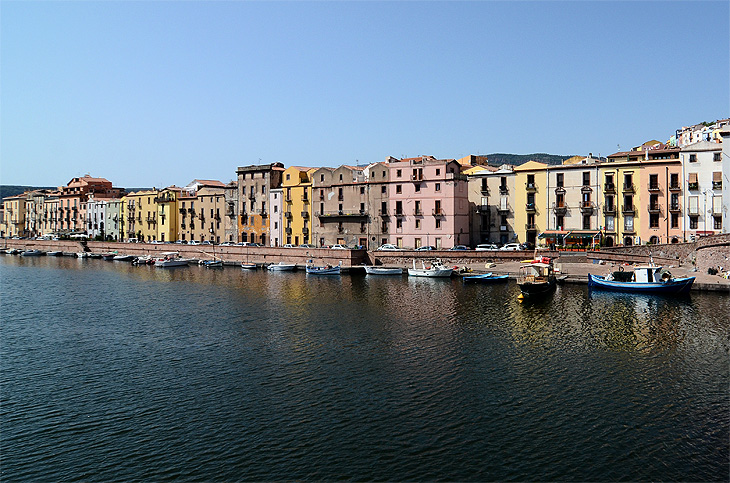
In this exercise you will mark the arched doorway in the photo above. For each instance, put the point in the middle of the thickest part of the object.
(675, 240)
(654, 240)
(608, 241)
(628, 241)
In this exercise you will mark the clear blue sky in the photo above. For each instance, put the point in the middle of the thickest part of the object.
(159, 93)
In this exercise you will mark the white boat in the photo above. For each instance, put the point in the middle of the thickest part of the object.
(32, 253)
(144, 260)
(171, 259)
(370, 270)
(436, 269)
(248, 266)
(282, 267)
(123, 258)
(651, 279)
(82, 255)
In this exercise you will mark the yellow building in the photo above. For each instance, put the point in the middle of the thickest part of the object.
(296, 187)
(14, 219)
(139, 215)
(531, 211)
(622, 198)
(168, 227)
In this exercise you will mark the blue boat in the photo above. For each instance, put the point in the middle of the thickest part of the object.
(322, 270)
(644, 279)
(485, 278)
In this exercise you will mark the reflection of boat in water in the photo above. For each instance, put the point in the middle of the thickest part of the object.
(537, 277)
(644, 279)
(370, 270)
(282, 267)
(485, 278)
(436, 269)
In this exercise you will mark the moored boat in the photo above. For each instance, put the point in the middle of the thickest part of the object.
(171, 259)
(82, 255)
(123, 258)
(282, 267)
(248, 266)
(54, 253)
(213, 263)
(644, 279)
(108, 256)
(436, 269)
(537, 277)
(485, 278)
(322, 270)
(370, 270)
(32, 253)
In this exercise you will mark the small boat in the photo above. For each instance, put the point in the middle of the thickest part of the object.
(248, 266)
(55, 254)
(644, 279)
(123, 258)
(13, 251)
(282, 267)
(213, 263)
(485, 278)
(436, 269)
(370, 270)
(537, 277)
(144, 260)
(32, 253)
(82, 255)
(108, 256)
(325, 270)
(171, 259)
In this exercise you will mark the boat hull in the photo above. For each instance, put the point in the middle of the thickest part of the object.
(433, 273)
(383, 271)
(32, 253)
(282, 267)
(537, 288)
(671, 287)
(171, 263)
(486, 278)
(323, 270)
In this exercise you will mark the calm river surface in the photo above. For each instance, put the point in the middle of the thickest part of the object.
(115, 372)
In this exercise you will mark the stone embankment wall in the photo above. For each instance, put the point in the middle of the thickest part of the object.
(705, 252)
(232, 254)
(405, 258)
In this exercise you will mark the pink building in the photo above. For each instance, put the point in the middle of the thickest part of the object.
(428, 203)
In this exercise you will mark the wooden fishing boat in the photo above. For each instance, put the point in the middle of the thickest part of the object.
(436, 269)
(485, 278)
(537, 277)
(370, 270)
(651, 279)
(282, 267)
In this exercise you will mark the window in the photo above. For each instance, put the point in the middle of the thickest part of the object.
(629, 223)
(675, 220)
(438, 171)
(398, 207)
(692, 158)
(438, 223)
(398, 189)
(653, 220)
(288, 176)
(717, 224)
(484, 184)
(628, 180)
(530, 180)
(559, 222)
(397, 173)
(340, 176)
(559, 180)
(383, 207)
(586, 222)
(399, 223)
(437, 207)
(417, 187)
(653, 181)
(437, 187)
(383, 189)
(418, 223)
(263, 189)
(586, 178)
(674, 180)
(693, 222)
(609, 203)
(321, 177)
(362, 190)
(717, 156)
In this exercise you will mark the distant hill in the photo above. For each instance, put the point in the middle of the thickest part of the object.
(498, 159)
(12, 190)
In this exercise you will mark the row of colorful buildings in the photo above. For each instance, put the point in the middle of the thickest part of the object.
(654, 193)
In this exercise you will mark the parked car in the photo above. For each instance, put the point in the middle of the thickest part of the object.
(288, 245)
(193, 242)
(228, 244)
(307, 245)
(511, 247)
(337, 246)
(427, 248)
(487, 247)
(388, 247)
(459, 247)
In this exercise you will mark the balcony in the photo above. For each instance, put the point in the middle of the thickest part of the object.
(417, 177)
(287, 198)
(530, 187)
(484, 191)
(503, 190)
(654, 208)
(252, 195)
(530, 208)
(305, 215)
(653, 187)
(629, 187)
(560, 189)
(675, 187)
(693, 186)
(288, 214)
(586, 207)
(560, 208)
(628, 209)
(530, 227)
(305, 231)
(482, 208)
(287, 230)
(418, 212)
(183, 211)
(400, 214)
(674, 208)
(384, 213)
(717, 185)
(305, 199)
(343, 214)
(609, 209)
(609, 188)
(440, 212)
(503, 209)
(264, 213)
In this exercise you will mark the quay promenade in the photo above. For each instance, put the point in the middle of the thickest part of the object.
(575, 266)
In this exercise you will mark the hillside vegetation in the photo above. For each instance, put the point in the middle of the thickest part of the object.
(498, 159)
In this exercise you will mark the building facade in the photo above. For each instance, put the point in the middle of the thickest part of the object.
(703, 189)
(296, 188)
(340, 206)
(254, 184)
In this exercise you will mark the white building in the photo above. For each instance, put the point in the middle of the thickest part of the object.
(276, 230)
(703, 191)
(725, 133)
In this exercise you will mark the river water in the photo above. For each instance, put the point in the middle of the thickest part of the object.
(115, 372)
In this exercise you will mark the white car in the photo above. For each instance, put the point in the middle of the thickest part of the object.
(388, 247)
(338, 247)
(288, 245)
(511, 247)
(488, 247)
(193, 242)
(228, 244)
